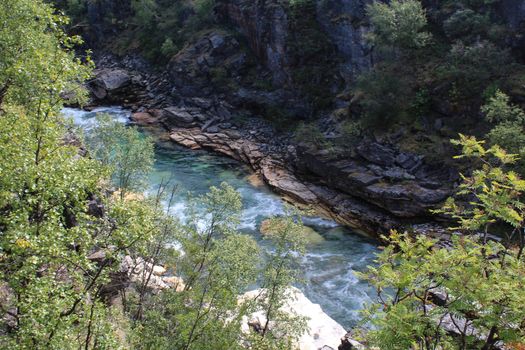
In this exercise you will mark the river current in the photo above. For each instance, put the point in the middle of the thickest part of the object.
(331, 260)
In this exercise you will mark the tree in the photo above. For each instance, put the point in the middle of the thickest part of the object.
(279, 273)
(509, 123)
(467, 296)
(52, 284)
(398, 24)
(464, 295)
(129, 154)
(218, 264)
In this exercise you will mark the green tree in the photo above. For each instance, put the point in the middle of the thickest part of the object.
(465, 295)
(145, 12)
(509, 121)
(128, 153)
(218, 264)
(279, 273)
(398, 24)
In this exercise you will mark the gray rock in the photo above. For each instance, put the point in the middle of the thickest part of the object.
(376, 153)
(113, 79)
(345, 23)
(180, 117)
(397, 173)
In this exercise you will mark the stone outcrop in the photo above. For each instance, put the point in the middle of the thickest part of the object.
(214, 55)
(398, 182)
(155, 277)
(322, 331)
(345, 23)
(342, 207)
(115, 85)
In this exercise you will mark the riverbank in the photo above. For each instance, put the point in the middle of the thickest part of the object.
(374, 187)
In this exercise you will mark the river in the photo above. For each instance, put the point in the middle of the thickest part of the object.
(329, 263)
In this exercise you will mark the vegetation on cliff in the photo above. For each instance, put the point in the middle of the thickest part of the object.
(467, 294)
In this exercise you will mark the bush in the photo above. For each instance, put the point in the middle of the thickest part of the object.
(398, 24)
(311, 135)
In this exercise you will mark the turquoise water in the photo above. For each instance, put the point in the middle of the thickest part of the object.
(329, 264)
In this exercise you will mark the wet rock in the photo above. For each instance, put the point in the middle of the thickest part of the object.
(144, 118)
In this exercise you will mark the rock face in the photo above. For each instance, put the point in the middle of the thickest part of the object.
(264, 23)
(398, 182)
(266, 26)
(345, 23)
(514, 13)
(212, 56)
(322, 331)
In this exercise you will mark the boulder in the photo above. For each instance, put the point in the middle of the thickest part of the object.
(144, 118)
(108, 81)
(376, 153)
(178, 117)
(322, 330)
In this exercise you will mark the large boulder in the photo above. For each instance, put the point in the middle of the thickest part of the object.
(108, 81)
(115, 85)
(322, 331)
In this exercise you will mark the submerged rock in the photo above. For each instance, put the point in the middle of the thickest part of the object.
(310, 235)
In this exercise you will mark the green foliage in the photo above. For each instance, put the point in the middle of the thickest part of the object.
(49, 285)
(313, 56)
(470, 68)
(280, 272)
(311, 135)
(465, 295)
(60, 256)
(497, 192)
(465, 23)
(217, 266)
(384, 97)
(168, 48)
(467, 53)
(145, 12)
(351, 132)
(129, 154)
(398, 24)
(509, 124)
(499, 109)
(478, 285)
